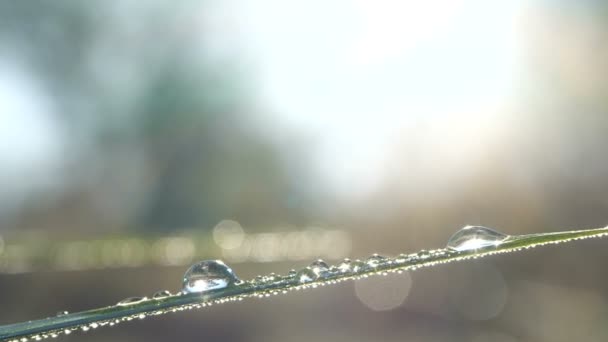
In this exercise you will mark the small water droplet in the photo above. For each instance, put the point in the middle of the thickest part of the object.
(423, 254)
(61, 313)
(319, 267)
(375, 260)
(475, 237)
(402, 258)
(161, 294)
(345, 266)
(131, 301)
(208, 275)
(306, 275)
(292, 273)
(358, 265)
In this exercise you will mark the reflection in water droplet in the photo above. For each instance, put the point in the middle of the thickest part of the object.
(131, 301)
(306, 275)
(475, 237)
(62, 313)
(208, 275)
(161, 294)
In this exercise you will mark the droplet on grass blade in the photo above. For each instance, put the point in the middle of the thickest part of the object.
(131, 301)
(475, 237)
(208, 275)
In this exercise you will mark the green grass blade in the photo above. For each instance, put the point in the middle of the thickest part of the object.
(273, 284)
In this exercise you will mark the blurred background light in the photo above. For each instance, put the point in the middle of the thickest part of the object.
(228, 234)
(383, 293)
(387, 70)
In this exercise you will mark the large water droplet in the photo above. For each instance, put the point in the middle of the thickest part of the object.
(208, 275)
(306, 275)
(475, 237)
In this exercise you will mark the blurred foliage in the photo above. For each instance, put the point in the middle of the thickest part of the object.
(166, 136)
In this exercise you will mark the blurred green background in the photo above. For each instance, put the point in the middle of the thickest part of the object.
(138, 137)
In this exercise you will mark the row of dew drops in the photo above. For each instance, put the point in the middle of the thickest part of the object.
(212, 275)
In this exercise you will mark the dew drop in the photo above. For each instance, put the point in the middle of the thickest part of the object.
(61, 313)
(358, 265)
(319, 267)
(475, 237)
(131, 301)
(161, 294)
(306, 275)
(424, 254)
(208, 275)
(292, 273)
(345, 266)
(375, 260)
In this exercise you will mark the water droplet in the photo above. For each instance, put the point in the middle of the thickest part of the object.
(208, 275)
(62, 313)
(475, 237)
(306, 275)
(358, 265)
(319, 267)
(131, 301)
(345, 266)
(402, 258)
(375, 260)
(161, 294)
(423, 254)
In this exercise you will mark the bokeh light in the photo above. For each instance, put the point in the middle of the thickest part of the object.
(383, 293)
